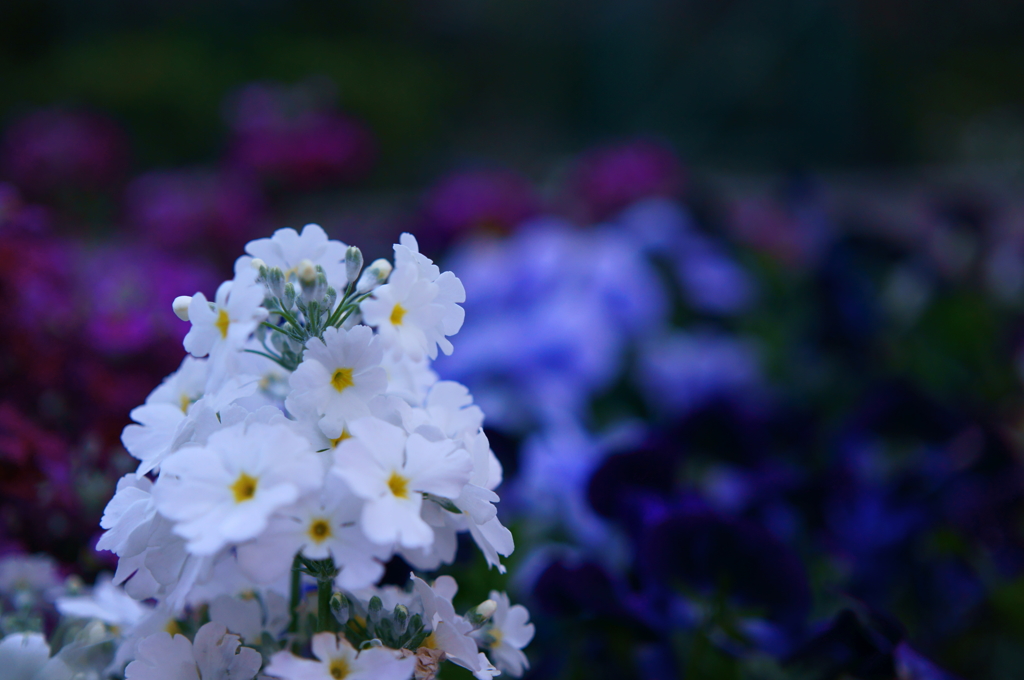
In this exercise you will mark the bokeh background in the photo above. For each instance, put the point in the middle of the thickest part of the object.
(745, 290)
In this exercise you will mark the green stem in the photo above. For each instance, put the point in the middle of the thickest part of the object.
(324, 616)
(296, 594)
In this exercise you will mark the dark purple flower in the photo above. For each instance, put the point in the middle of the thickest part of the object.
(610, 178)
(197, 209)
(863, 644)
(292, 136)
(55, 150)
(855, 643)
(717, 555)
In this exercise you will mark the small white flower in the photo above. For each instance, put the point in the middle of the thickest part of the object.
(321, 525)
(227, 322)
(287, 249)
(158, 421)
(450, 632)
(338, 659)
(417, 308)
(215, 655)
(23, 655)
(509, 632)
(107, 602)
(225, 492)
(250, 617)
(410, 380)
(391, 470)
(338, 376)
(28, 573)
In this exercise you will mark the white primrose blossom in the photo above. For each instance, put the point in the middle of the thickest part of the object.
(338, 376)
(214, 655)
(417, 307)
(337, 658)
(225, 323)
(288, 250)
(322, 525)
(304, 443)
(225, 492)
(391, 471)
(508, 633)
(23, 655)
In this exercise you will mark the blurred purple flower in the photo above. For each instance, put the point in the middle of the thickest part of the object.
(55, 150)
(190, 208)
(290, 135)
(552, 310)
(683, 371)
(128, 291)
(478, 200)
(608, 179)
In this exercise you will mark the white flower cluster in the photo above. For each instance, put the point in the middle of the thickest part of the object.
(304, 439)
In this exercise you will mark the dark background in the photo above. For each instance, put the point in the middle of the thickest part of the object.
(735, 85)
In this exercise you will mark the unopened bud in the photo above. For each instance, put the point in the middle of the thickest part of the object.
(486, 608)
(180, 306)
(353, 263)
(376, 274)
(257, 264)
(306, 271)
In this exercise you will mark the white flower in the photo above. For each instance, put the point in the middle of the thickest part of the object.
(215, 655)
(338, 659)
(107, 602)
(450, 632)
(287, 249)
(28, 573)
(321, 525)
(160, 418)
(416, 308)
(224, 492)
(390, 470)
(338, 376)
(227, 322)
(22, 655)
(250, 617)
(508, 634)
(410, 380)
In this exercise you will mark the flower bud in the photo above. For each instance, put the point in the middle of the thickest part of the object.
(353, 263)
(306, 271)
(180, 306)
(376, 274)
(257, 264)
(486, 608)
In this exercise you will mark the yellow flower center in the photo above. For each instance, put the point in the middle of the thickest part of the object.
(399, 485)
(342, 379)
(172, 627)
(397, 314)
(244, 487)
(320, 530)
(340, 438)
(185, 402)
(496, 636)
(222, 323)
(339, 668)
